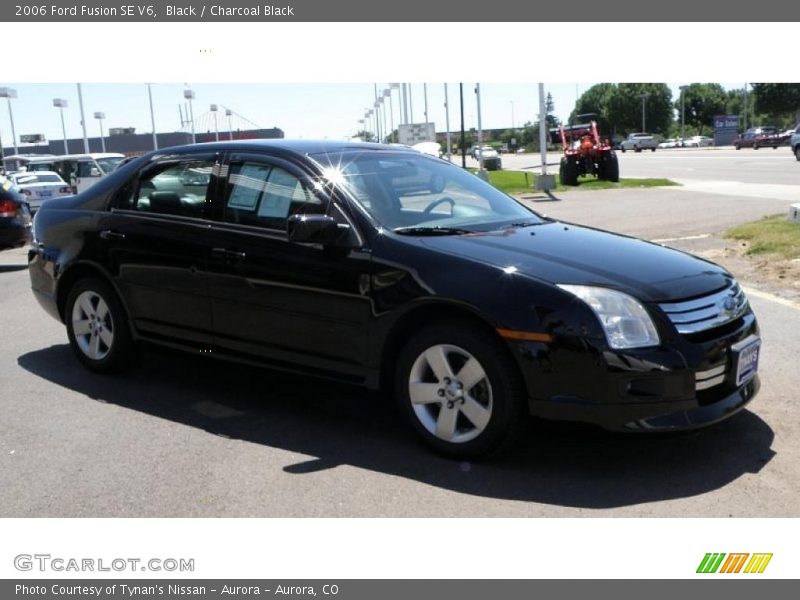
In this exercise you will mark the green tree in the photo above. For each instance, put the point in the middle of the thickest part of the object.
(549, 109)
(701, 103)
(366, 136)
(625, 107)
(781, 101)
(595, 100)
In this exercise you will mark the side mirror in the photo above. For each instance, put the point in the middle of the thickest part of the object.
(95, 172)
(315, 229)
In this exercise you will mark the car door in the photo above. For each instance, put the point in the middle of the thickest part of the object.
(294, 303)
(155, 241)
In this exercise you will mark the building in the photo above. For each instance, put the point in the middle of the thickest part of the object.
(131, 144)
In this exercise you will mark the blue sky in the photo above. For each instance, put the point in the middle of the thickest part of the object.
(301, 110)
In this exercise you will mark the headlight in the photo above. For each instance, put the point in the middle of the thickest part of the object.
(624, 320)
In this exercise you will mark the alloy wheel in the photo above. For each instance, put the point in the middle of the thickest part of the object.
(92, 325)
(450, 393)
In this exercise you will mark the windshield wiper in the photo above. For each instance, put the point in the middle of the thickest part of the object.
(523, 224)
(418, 230)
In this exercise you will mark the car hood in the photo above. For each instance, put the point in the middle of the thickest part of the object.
(564, 253)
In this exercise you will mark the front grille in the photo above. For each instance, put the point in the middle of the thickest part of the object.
(708, 312)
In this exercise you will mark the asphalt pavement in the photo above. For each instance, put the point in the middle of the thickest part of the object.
(183, 436)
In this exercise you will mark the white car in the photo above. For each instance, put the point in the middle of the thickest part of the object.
(670, 143)
(698, 141)
(432, 148)
(39, 186)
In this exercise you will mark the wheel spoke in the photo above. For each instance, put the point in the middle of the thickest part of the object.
(424, 393)
(106, 336)
(446, 423)
(80, 327)
(437, 361)
(102, 309)
(477, 414)
(94, 346)
(471, 374)
(86, 305)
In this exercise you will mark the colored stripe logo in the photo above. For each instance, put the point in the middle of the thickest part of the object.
(737, 562)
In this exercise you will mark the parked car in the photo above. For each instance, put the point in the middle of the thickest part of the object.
(15, 216)
(794, 143)
(432, 148)
(757, 137)
(39, 186)
(698, 141)
(638, 142)
(491, 158)
(385, 267)
(670, 143)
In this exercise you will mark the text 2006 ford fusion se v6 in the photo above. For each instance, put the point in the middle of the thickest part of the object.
(386, 267)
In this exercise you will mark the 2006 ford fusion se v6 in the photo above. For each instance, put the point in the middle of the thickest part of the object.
(381, 266)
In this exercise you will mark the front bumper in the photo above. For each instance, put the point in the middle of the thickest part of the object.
(675, 415)
(686, 383)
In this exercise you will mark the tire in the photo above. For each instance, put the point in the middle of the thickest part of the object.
(797, 152)
(653, 149)
(637, 149)
(458, 414)
(755, 146)
(622, 148)
(737, 146)
(610, 168)
(569, 171)
(97, 326)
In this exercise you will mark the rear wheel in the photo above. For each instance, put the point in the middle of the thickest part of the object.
(610, 168)
(460, 390)
(97, 325)
(653, 149)
(755, 146)
(637, 149)
(569, 171)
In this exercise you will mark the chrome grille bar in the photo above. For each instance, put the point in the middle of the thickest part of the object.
(701, 314)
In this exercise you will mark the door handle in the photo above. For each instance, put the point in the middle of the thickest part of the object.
(229, 254)
(107, 234)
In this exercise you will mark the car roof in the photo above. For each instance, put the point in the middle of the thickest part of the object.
(296, 146)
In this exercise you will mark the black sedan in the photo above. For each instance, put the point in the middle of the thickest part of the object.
(385, 267)
(15, 216)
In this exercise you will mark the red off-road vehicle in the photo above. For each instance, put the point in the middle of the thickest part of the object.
(585, 153)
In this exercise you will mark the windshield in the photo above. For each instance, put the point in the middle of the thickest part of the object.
(109, 164)
(404, 190)
(49, 178)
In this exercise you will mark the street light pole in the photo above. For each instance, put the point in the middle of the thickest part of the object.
(447, 124)
(644, 101)
(425, 95)
(512, 114)
(189, 95)
(213, 108)
(83, 121)
(463, 135)
(229, 114)
(683, 89)
(481, 171)
(61, 104)
(100, 116)
(8, 94)
(152, 117)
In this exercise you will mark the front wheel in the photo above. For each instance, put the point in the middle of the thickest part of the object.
(97, 326)
(460, 390)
